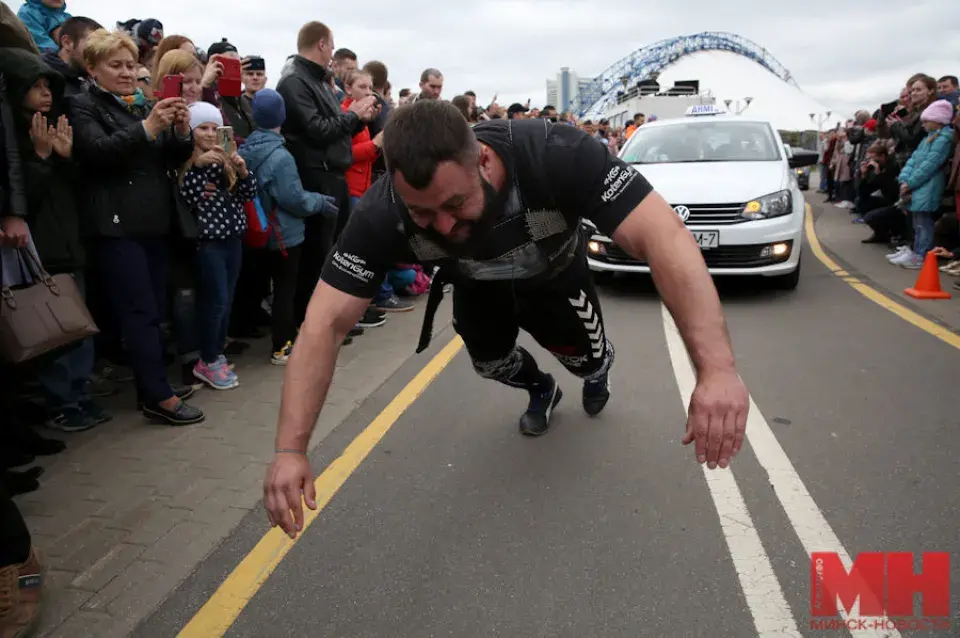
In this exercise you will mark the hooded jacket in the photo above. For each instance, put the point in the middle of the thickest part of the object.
(279, 185)
(50, 184)
(40, 20)
(924, 172)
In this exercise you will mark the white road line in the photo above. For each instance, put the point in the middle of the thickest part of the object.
(808, 522)
(771, 612)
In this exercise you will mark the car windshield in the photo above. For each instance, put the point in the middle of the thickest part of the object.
(702, 141)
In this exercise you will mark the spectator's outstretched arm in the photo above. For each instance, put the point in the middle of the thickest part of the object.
(303, 115)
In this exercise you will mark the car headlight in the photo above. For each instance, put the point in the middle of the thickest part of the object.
(772, 205)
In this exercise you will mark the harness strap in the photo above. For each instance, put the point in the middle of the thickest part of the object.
(434, 299)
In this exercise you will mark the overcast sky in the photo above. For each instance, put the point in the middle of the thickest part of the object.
(845, 54)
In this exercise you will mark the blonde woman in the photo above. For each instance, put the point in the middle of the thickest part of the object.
(128, 147)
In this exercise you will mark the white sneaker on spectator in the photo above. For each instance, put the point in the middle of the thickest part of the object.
(900, 252)
(907, 255)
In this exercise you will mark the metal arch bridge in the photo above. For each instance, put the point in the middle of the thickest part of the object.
(595, 98)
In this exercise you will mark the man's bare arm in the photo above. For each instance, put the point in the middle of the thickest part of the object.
(331, 315)
(654, 232)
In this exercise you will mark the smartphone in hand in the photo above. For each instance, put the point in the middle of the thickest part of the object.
(225, 139)
(172, 86)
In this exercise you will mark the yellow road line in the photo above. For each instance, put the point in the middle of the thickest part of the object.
(935, 329)
(221, 610)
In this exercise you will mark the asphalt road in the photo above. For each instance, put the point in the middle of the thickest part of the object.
(455, 525)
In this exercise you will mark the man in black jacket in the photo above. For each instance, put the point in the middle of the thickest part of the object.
(319, 134)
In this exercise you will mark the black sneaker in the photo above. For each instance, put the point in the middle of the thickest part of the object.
(71, 419)
(536, 420)
(182, 392)
(372, 318)
(357, 331)
(394, 304)
(95, 412)
(595, 395)
(182, 414)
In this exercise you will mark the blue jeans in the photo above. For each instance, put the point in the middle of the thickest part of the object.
(386, 290)
(65, 377)
(922, 232)
(823, 176)
(218, 266)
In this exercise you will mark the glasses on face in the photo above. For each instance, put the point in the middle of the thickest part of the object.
(145, 80)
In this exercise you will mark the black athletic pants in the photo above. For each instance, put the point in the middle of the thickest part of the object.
(563, 316)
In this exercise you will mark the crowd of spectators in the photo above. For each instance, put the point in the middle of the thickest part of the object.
(897, 171)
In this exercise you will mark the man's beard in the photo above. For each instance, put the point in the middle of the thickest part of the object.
(494, 203)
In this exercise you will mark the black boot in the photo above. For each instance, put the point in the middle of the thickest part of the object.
(536, 420)
(21, 482)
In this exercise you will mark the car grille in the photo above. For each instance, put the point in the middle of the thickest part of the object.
(714, 214)
(721, 257)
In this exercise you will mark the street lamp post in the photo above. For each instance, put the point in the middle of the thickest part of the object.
(820, 120)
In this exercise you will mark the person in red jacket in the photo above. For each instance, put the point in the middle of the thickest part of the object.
(366, 150)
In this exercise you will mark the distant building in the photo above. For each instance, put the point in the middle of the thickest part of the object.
(562, 91)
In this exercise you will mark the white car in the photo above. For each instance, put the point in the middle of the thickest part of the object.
(733, 182)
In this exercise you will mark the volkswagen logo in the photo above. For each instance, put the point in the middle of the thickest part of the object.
(684, 213)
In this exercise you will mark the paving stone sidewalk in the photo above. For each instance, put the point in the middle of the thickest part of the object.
(130, 508)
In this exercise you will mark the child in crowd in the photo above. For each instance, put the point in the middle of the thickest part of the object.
(287, 203)
(923, 180)
(215, 184)
(43, 18)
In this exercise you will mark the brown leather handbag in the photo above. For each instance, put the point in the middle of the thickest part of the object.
(42, 315)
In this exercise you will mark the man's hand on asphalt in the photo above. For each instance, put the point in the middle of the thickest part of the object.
(717, 418)
(288, 477)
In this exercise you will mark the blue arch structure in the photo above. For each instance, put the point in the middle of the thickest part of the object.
(595, 98)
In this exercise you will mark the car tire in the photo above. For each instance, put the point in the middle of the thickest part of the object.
(789, 281)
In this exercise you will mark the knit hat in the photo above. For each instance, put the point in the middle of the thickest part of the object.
(203, 113)
(269, 109)
(940, 112)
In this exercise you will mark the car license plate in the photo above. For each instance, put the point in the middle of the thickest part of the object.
(707, 238)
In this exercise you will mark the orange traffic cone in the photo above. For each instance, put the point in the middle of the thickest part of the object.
(928, 281)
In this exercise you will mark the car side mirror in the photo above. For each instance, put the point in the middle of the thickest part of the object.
(802, 159)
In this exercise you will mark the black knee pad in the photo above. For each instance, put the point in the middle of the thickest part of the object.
(589, 368)
(502, 369)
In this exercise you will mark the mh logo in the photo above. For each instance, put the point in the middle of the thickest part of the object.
(683, 212)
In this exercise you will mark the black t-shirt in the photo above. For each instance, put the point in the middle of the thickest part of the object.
(557, 176)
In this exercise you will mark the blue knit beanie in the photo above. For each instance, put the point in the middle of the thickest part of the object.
(269, 109)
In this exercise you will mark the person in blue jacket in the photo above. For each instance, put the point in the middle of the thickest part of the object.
(42, 18)
(923, 180)
(286, 204)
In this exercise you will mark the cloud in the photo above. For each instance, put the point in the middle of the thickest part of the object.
(843, 54)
